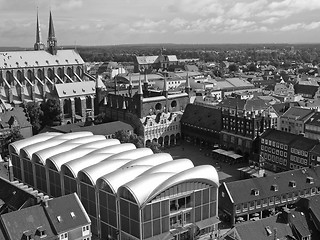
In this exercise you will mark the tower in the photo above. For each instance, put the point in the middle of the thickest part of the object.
(38, 44)
(52, 41)
(187, 85)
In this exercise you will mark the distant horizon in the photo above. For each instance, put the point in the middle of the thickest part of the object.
(123, 22)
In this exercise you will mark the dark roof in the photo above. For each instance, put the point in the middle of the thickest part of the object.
(14, 197)
(303, 143)
(306, 89)
(16, 113)
(244, 104)
(63, 207)
(105, 128)
(302, 114)
(279, 136)
(240, 191)
(28, 219)
(316, 149)
(258, 229)
(204, 117)
(298, 219)
(315, 119)
(314, 205)
(281, 108)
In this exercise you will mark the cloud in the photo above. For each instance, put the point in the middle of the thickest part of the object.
(270, 20)
(302, 26)
(246, 9)
(66, 5)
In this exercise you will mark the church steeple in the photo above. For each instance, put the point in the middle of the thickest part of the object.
(52, 41)
(38, 44)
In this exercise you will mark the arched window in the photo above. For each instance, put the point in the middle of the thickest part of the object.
(158, 106)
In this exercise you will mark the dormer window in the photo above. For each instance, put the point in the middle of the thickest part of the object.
(310, 180)
(59, 218)
(292, 183)
(41, 232)
(27, 235)
(254, 192)
(72, 214)
(274, 187)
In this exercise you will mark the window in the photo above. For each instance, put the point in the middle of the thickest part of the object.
(271, 200)
(238, 208)
(64, 236)
(251, 205)
(85, 230)
(258, 203)
(245, 207)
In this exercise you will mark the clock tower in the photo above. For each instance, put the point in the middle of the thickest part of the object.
(52, 41)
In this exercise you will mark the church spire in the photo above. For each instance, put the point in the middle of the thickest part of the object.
(38, 44)
(52, 41)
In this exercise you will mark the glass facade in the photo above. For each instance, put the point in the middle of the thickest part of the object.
(108, 214)
(41, 179)
(16, 167)
(54, 183)
(88, 200)
(28, 172)
(70, 184)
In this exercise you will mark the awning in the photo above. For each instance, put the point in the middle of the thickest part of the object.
(207, 223)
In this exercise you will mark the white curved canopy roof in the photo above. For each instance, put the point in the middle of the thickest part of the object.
(27, 151)
(73, 135)
(117, 148)
(63, 157)
(172, 166)
(96, 171)
(148, 186)
(42, 155)
(80, 163)
(102, 143)
(16, 146)
(153, 160)
(87, 139)
(121, 176)
(132, 154)
(204, 173)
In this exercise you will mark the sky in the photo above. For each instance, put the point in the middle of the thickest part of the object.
(109, 22)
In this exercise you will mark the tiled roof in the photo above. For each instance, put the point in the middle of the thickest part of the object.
(314, 120)
(244, 104)
(239, 82)
(281, 108)
(74, 89)
(105, 128)
(314, 206)
(258, 229)
(18, 114)
(29, 59)
(240, 191)
(306, 89)
(202, 116)
(301, 114)
(147, 59)
(303, 143)
(279, 136)
(63, 207)
(29, 219)
(298, 219)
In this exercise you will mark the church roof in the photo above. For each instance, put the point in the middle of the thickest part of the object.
(28, 59)
(74, 89)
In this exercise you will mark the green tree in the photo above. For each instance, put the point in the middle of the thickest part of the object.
(35, 115)
(233, 68)
(127, 137)
(155, 147)
(51, 113)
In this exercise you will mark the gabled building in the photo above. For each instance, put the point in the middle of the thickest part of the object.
(261, 197)
(58, 218)
(312, 127)
(294, 119)
(148, 63)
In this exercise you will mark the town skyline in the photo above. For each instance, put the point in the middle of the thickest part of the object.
(96, 22)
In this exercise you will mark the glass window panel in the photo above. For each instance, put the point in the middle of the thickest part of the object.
(213, 211)
(173, 205)
(92, 208)
(188, 202)
(205, 197)
(147, 230)
(104, 214)
(125, 224)
(156, 227)
(198, 198)
(213, 194)
(187, 217)
(156, 210)
(205, 211)
(134, 228)
(147, 213)
(197, 214)
(91, 194)
(182, 203)
(124, 207)
(134, 212)
(165, 224)
(112, 218)
(165, 208)
(111, 202)
(103, 199)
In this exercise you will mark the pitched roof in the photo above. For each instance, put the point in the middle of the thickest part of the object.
(298, 219)
(18, 114)
(279, 136)
(71, 212)
(74, 89)
(147, 59)
(240, 191)
(298, 113)
(28, 59)
(258, 229)
(27, 220)
(202, 116)
(244, 104)
(314, 120)
(306, 89)
(105, 128)
(303, 143)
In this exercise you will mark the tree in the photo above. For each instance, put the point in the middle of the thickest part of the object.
(127, 137)
(155, 147)
(233, 68)
(15, 135)
(51, 113)
(35, 115)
